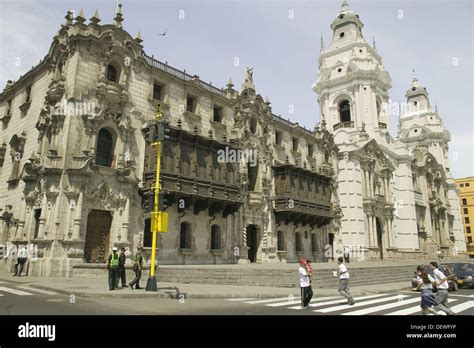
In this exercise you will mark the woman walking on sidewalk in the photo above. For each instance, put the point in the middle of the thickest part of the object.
(425, 283)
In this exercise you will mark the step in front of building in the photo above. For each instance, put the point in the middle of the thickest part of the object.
(258, 277)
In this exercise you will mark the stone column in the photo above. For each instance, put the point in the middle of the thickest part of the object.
(42, 219)
(374, 232)
(366, 183)
(76, 228)
(21, 223)
(367, 223)
(125, 221)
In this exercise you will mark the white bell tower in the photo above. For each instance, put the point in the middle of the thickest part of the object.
(352, 83)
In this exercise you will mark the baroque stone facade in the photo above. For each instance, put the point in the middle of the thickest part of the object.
(75, 163)
(75, 166)
(397, 196)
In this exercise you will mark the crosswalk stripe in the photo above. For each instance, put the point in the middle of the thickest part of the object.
(382, 307)
(16, 292)
(409, 310)
(358, 304)
(38, 290)
(240, 299)
(462, 306)
(269, 300)
(313, 302)
(286, 303)
(341, 300)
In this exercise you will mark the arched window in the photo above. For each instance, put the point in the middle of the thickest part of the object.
(298, 242)
(378, 110)
(112, 73)
(105, 148)
(314, 242)
(185, 236)
(253, 125)
(215, 237)
(280, 241)
(345, 111)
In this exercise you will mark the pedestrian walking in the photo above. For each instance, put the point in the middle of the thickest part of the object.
(343, 275)
(425, 283)
(305, 285)
(121, 269)
(112, 267)
(137, 268)
(443, 286)
(21, 258)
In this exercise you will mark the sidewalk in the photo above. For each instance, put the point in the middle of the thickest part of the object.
(98, 288)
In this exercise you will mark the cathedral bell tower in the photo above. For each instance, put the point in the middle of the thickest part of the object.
(352, 83)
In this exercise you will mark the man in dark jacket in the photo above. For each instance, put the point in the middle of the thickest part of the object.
(121, 269)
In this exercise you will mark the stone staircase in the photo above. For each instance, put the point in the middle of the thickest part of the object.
(322, 278)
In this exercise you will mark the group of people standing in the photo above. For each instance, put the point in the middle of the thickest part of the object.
(434, 290)
(306, 278)
(116, 268)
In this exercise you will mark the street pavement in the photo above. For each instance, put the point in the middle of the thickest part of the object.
(21, 299)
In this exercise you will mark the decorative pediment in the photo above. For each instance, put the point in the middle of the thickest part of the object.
(371, 153)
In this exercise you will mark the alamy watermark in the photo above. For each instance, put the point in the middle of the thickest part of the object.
(229, 155)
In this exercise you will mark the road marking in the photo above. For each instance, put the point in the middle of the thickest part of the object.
(382, 307)
(286, 303)
(342, 299)
(38, 290)
(462, 306)
(359, 304)
(468, 296)
(16, 292)
(240, 299)
(409, 310)
(313, 302)
(55, 300)
(270, 300)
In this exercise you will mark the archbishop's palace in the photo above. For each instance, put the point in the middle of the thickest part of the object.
(75, 165)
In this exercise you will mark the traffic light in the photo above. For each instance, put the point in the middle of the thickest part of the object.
(163, 200)
(163, 130)
(148, 201)
(150, 133)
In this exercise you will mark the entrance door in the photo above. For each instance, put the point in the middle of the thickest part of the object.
(379, 238)
(252, 242)
(97, 236)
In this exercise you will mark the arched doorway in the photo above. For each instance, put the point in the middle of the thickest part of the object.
(331, 243)
(252, 242)
(379, 237)
(97, 236)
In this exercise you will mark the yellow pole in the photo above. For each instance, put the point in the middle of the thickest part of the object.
(154, 230)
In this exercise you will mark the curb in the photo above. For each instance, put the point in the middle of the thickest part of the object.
(156, 294)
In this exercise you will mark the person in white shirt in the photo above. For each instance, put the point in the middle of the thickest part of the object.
(21, 259)
(306, 290)
(344, 281)
(443, 286)
(425, 283)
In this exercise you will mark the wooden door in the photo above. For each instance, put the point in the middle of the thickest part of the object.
(97, 236)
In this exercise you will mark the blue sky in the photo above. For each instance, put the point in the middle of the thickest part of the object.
(434, 37)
